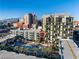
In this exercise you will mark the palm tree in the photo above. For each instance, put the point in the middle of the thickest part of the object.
(16, 48)
(25, 50)
(2, 46)
(20, 49)
(55, 47)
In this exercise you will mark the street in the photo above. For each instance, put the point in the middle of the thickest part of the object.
(70, 49)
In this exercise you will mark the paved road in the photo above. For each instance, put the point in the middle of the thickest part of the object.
(66, 50)
(75, 48)
(70, 49)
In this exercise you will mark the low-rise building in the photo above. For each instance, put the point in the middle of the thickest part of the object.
(76, 25)
(30, 34)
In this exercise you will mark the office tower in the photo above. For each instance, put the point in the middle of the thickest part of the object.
(38, 23)
(29, 20)
(26, 20)
(59, 25)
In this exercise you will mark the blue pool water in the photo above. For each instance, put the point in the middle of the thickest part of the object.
(18, 43)
(28, 46)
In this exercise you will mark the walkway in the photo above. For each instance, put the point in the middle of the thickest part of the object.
(6, 37)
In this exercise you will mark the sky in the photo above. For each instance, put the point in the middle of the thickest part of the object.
(18, 8)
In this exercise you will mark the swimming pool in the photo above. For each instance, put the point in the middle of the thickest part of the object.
(27, 46)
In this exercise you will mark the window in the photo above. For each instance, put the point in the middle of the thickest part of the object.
(58, 19)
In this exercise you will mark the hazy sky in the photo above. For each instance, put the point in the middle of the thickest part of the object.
(18, 8)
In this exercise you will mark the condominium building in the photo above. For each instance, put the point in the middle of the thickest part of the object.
(44, 18)
(30, 34)
(58, 25)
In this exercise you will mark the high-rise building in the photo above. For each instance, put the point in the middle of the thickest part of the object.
(44, 18)
(29, 20)
(59, 25)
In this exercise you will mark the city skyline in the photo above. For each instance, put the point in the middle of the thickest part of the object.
(18, 8)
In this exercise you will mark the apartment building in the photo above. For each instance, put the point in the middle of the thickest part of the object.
(58, 25)
(30, 34)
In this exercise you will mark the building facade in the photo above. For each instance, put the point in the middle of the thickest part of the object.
(57, 26)
(30, 34)
(29, 20)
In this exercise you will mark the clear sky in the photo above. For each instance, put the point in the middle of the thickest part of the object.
(18, 8)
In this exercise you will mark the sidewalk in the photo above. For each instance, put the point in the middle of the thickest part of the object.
(6, 37)
(66, 50)
(75, 48)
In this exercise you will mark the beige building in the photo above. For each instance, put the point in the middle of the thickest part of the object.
(58, 25)
(26, 19)
(44, 21)
(29, 20)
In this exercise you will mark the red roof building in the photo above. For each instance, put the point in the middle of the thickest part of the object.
(76, 25)
(76, 22)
